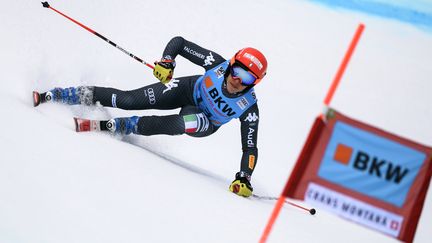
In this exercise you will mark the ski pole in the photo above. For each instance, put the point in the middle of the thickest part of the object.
(312, 211)
(46, 5)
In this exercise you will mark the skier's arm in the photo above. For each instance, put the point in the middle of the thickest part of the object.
(193, 52)
(249, 135)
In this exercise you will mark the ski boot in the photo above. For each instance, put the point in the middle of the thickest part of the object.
(70, 96)
(125, 125)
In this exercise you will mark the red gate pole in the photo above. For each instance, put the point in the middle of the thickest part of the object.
(343, 65)
(327, 100)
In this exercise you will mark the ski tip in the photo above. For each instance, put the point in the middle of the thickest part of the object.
(36, 98)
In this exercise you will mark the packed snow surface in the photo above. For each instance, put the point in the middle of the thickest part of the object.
(60, 186)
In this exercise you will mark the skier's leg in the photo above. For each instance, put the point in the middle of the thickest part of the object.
(178, 93)
(190, 121)
(196, 122)
(145, 125)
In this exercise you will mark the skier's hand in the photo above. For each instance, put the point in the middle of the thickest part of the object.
(164, 70)
(241, 184)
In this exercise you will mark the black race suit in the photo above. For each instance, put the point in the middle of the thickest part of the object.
(179, 94)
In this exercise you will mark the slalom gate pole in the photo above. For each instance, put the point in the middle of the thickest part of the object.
(344, 64)
(46, 5)
(329, 96)
(272, 219)
(279, 203)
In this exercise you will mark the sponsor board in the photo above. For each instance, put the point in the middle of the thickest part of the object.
(370, 164)
(363, 173)
(354, 210)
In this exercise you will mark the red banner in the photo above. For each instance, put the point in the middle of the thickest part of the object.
(363, 174)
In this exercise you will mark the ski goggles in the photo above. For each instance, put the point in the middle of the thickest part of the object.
(246, 77)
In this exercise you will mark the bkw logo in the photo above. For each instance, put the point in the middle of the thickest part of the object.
(370, 164)
(221, 104)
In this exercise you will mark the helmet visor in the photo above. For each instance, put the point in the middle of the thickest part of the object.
(246, 77)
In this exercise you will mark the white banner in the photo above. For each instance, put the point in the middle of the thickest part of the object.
(354, 209)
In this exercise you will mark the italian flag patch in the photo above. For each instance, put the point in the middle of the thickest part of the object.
(191, 123)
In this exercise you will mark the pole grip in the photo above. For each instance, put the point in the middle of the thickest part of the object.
(45, 4)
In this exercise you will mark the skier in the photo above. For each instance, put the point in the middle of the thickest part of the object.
(208, 101)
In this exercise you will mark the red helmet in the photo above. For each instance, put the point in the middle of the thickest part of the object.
(253, 59)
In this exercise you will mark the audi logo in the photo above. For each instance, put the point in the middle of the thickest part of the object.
(151, 96)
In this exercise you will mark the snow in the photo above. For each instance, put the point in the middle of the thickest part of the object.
(60, 186)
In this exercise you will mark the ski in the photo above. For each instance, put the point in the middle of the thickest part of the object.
(264, 197)
(39, 98)
(86, 125)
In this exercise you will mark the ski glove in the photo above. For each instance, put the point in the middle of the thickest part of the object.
(241, 184)
(164, 70)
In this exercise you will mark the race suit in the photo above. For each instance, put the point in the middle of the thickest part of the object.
(204, 101)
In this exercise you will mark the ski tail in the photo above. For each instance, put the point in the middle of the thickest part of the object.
(40, 98)
(86, 125)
